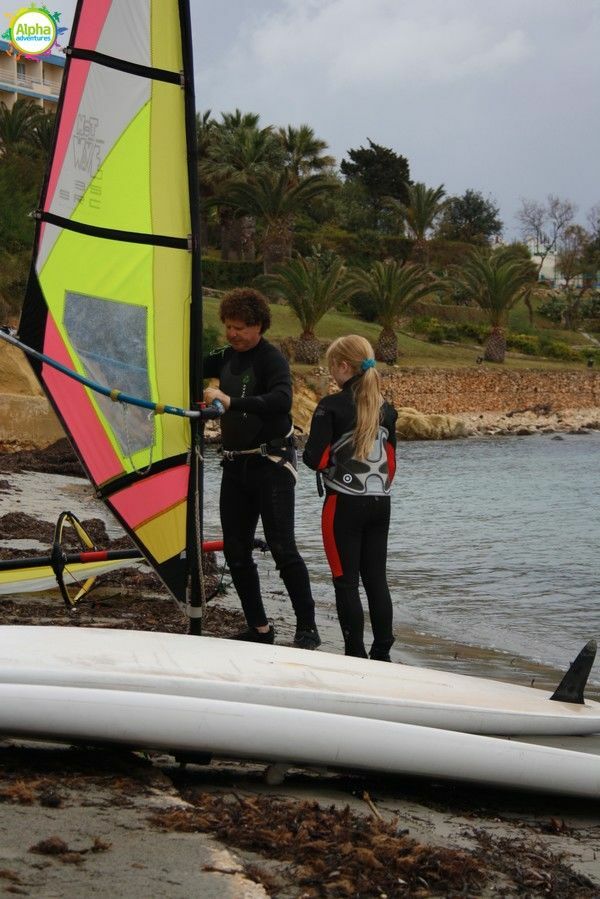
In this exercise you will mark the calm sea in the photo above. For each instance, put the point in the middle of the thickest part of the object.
(494, 542)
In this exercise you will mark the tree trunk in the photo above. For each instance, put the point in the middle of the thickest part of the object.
(277, 243)
(248, 238)
(495, 348)
(386, 348)
(307, 349)
(571, 315)
(420, 251)
(225, 221)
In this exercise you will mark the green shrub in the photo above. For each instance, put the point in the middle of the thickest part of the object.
(221, 275)
(364, 306)
(557, 349)
(523, 343)
(422, 324)
(453, 333)
(436, 333)
(553, 308)
(590, 308)
(471, 331)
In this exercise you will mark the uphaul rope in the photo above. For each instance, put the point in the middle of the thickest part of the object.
(214, 410)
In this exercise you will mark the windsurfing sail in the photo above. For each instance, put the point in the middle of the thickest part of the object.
(114, 287)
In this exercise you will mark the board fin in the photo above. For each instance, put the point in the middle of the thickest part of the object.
(573, 683)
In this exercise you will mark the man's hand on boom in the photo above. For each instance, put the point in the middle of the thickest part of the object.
(213, 393)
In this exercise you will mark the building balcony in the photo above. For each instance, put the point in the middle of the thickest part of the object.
(44, 85)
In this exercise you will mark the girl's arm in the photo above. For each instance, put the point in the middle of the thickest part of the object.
(389, 422)
(316, 451)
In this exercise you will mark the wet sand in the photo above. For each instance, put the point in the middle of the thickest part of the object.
(103, 822)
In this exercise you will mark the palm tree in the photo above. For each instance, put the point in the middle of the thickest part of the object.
(393, 288)
(423, 207)
(237, 151)
(276, 200)
(16, 126)
(205, 137)
(42, 132)
(496, 282)
(310, 289)
(232, 121)
(303, 151)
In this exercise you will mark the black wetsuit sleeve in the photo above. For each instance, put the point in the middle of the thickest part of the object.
(318, 445)
(212, 364)
(274, 375)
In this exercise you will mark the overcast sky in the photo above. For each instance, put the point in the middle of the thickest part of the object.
(499, 97)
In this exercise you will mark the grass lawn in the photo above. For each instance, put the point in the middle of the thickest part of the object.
(414, 352)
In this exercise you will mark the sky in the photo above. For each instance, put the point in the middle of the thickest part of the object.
(502, 98)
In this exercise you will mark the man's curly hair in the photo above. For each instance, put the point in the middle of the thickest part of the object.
(246, 305)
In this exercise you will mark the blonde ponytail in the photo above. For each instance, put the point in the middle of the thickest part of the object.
(357, 352)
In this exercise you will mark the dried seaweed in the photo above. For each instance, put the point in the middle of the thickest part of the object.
(335, 852)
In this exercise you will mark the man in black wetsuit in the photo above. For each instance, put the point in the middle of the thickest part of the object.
(259, 463)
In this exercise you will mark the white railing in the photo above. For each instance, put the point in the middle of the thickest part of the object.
(41, 86)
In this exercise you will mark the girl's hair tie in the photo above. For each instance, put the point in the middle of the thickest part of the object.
(366, 364)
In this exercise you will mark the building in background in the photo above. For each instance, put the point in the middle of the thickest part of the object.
(38, 80)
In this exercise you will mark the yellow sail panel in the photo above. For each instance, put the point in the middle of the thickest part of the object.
(165, 535)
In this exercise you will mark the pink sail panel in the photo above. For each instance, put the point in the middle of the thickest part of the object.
(89, 28)
(78, 412)
(149, 497)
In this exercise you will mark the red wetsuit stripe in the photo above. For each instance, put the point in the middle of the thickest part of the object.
(324, 460)
(391, 457)
(327, 522)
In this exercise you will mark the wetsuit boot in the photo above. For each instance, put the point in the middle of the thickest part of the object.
(353, 646)
(380, 650)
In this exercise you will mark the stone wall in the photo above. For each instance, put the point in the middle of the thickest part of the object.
(483, 389)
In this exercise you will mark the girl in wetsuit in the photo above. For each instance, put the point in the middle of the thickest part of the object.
(352, 443)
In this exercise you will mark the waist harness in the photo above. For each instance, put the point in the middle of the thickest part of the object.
(281, 451)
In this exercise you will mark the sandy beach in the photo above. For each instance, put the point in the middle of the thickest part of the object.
(99, 821)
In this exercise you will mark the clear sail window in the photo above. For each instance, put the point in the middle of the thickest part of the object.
(110, 338)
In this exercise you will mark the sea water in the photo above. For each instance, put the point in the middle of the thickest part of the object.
(494, 542)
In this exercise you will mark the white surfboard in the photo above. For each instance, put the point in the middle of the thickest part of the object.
(291, 736)
(223, 670)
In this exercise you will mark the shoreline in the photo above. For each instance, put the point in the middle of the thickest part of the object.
(524, 422)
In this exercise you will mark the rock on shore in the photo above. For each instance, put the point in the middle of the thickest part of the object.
(522, 422)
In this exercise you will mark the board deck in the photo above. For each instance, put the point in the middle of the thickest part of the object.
(276, 676)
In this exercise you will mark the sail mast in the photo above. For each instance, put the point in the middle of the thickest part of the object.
(195, 495)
